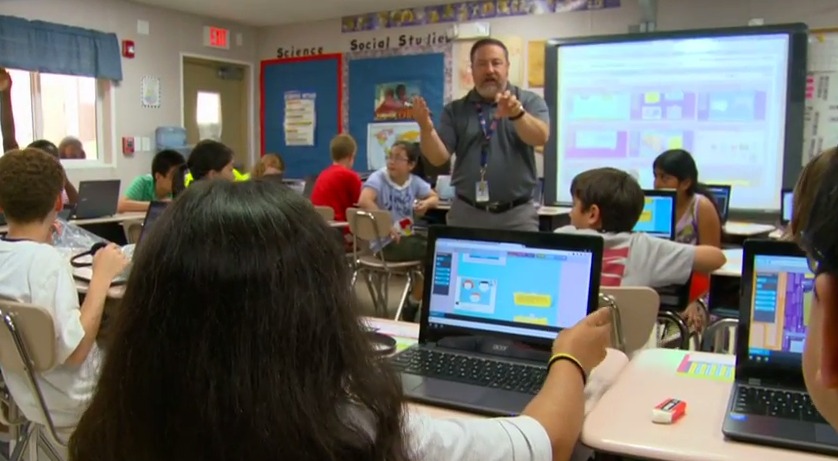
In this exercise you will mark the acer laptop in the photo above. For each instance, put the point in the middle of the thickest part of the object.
(768, 403)
(495, 302)
(658, 216)
(97, 199)
(721, 192)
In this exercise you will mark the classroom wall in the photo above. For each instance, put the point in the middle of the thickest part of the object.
(157, 54)
(326, 36)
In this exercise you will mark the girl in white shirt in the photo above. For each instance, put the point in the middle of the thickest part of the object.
(238, 339)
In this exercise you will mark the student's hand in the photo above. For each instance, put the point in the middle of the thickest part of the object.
(422, 206)
(694, 317)
(421, 113)
(55, 230)
(395, 235)
(508, 105)
(109, 261)
(587, 340)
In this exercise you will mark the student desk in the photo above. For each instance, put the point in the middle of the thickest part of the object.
(621, 423)
(549, 217)
(108, 227)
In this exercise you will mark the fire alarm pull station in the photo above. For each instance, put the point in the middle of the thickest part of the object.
(127, 146)
(128, 49)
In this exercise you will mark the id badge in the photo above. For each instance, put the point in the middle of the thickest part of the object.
(481, 193)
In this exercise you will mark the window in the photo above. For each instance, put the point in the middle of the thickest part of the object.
(54, 107)
(208, 115)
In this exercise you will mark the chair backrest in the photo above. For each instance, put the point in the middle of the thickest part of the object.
(638, 308)
(326, 212)
(369, 225)
(35, 327)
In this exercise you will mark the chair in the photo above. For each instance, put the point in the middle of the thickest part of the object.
(720, 336)
(325, 212)
(27, 346)
(368, 226)
(636, 309)
(132, 229)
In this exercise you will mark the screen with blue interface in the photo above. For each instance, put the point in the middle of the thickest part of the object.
(722, 98)
(788, 200)
(656, 218)
(508, 287)
(781, 300)
(722, 196)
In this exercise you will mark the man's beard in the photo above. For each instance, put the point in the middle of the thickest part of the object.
(490, 89)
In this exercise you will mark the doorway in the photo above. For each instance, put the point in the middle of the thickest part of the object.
(216, 105)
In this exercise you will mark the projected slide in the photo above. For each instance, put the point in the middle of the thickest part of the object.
(782, 302)
(723, 99)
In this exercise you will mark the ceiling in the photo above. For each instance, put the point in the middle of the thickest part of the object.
(275, 12)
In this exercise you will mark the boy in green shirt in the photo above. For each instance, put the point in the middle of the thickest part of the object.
(152, 187)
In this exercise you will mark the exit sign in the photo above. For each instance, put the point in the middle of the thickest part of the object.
(216, 37)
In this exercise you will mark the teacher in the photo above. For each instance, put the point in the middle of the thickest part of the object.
(493, 131)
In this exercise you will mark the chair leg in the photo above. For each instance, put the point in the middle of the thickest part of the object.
(22, 442)
(385, 290)
(408, 285)
(373, 293)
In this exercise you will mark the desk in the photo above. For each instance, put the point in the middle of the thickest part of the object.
(733, 266)
(621, 423)
(745, 229)
(114, 219)
(549, 217)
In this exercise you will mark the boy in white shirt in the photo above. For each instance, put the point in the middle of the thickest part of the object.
(32, 271)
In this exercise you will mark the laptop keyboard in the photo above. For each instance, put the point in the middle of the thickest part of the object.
(774, 402)
(472, 370)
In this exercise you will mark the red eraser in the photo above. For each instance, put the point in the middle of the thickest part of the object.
(669, 411)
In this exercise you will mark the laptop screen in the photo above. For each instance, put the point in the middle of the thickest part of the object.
(658, 217)
(781, 299)
(155, 209)
(508, 288)
(786, 206)
(722, 195)
(444, 187)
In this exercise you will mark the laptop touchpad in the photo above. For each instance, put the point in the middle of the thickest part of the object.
(824, 433)
(451, 391)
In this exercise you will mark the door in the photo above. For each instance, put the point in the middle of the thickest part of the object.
(215, 105)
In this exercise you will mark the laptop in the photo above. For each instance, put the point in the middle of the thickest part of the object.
(444, 189)
(786, 205)
(155, 209)
(768, 403)
(721, 192)
(658, 217)
(495, 302)
(97, 199)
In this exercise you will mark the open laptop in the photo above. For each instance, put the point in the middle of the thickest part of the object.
(495, 302)
(444, 189)
(155, 209)
(786, 205)
(722, 194)
(97, 199)
(769, 403)
(658, 217)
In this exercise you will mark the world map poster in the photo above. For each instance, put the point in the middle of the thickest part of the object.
(381, 136)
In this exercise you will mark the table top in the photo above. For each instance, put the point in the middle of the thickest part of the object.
(117, 218)
(542, 210)
(733, 266)
(621, 422)
(747, 229)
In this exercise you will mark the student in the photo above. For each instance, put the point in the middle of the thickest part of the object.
(269, 165)
(155, 186)
(697, 214)
(805, 191)
(395, 189)
(819, 238)
(608, 201)
(211, 160)
(71, 148)
(32, 271)
(338, 186)
(288, 356)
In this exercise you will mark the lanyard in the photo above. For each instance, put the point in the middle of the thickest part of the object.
(488, 131)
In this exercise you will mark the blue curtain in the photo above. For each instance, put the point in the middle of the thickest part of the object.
(39, 46)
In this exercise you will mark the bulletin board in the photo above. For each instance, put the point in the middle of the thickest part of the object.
(320, 76)
(370, 77)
